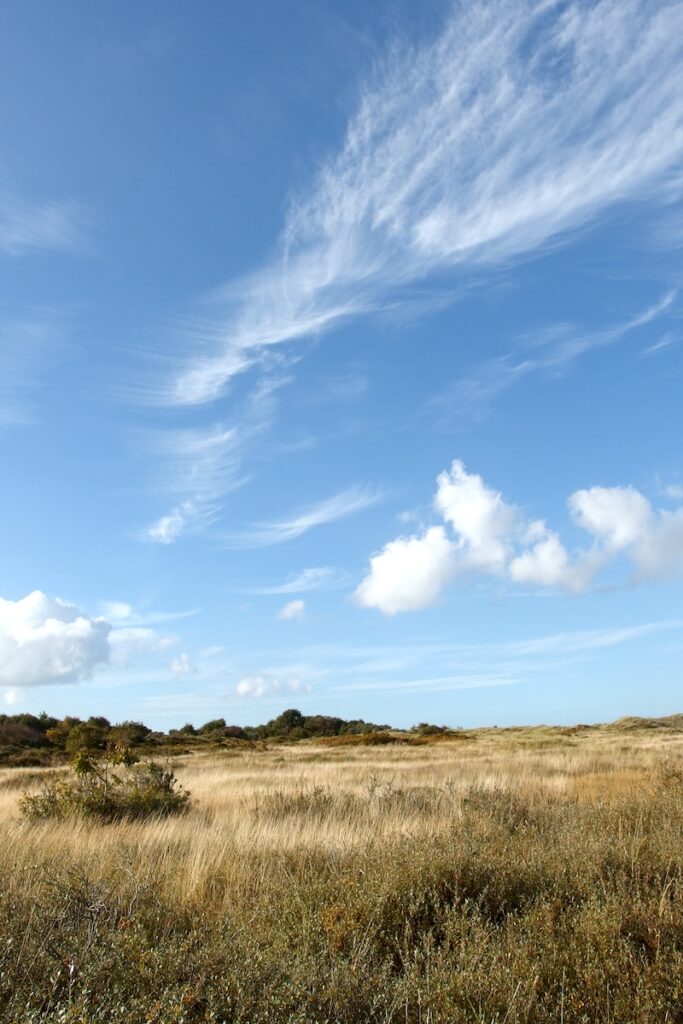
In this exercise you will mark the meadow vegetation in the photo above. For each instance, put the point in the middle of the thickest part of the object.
(500, 875)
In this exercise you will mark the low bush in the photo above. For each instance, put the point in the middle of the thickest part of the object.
(109, 788)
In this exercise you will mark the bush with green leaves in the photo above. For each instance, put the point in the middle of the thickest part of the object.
(112, 787)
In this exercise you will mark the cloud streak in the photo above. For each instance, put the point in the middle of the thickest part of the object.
(203, 465)
(57, 225)
(339, 506)
(514, 125)
(551, 352)
(318, 578)
(30, 342)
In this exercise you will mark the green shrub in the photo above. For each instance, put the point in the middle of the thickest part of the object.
(110, 788)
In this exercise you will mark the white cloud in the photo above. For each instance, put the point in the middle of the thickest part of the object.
(182, 666)
(128, 641)
(56, 224)
(409, 573)
(46, 640)
(490, 537)
(121, 613)
(168, 528)
(322, 577)
(668, 341)
(514, 124)
(198, 467)
(658, 554)
(618, 516)
(257, 686)
(292, 610)
(339, 506)
(547, 563)
(481, 519)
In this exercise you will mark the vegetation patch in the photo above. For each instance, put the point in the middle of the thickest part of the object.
(113, 787)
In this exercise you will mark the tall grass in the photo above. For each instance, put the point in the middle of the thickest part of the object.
(534, 876)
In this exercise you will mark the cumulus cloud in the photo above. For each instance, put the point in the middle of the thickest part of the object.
(127, 642)
(481, 519)
(292, 610)
(547, 563)
(618, 516)
(491, 537)
(409, 573)
(46, 640)
(256, 686)
(658, 553)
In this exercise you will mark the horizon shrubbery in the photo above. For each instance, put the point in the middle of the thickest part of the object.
(27, 739)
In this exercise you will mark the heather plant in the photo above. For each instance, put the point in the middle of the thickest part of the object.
(112, 787)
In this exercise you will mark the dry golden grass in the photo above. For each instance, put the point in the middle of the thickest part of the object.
(508, 875)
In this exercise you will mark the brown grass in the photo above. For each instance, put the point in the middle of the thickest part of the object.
(503, 876)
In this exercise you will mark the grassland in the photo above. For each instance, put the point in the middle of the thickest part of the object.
(531, 875)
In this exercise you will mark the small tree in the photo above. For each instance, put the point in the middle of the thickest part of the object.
(129, 734)
(85, 737)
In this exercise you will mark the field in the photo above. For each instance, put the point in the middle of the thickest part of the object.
(531, 875)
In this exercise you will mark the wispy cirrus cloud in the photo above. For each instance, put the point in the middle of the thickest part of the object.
(30, 342)
(322, 577)
(54, 225)
(592, 639)
(202, 465)
(292, 611)
(339, 506)
(515, 124)
(338, 670)
(550, 352)
(123, 614)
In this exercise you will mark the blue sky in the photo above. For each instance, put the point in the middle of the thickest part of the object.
(340, 360)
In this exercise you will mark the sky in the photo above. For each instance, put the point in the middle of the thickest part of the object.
(340, 360)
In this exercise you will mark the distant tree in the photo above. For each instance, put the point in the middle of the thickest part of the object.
(99, 722)
(85, 737)
(215, 725)
(285, 723)
(16, 734)
(129, 734)
(59, 733)
(236, 732)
